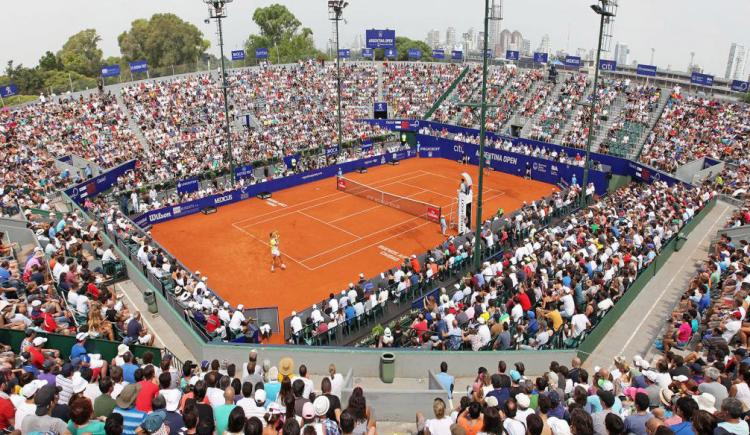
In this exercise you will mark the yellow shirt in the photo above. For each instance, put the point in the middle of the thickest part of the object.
(555, 318)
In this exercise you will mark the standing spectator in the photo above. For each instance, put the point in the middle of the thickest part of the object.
(104, 404)
(81, 422)
(131, 417)
(636, 423)
(441, 424)
(222, 412)
(41, 420)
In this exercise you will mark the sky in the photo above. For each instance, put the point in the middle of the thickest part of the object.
(673, 28)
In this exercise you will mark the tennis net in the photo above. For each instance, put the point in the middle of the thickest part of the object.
(421, 209)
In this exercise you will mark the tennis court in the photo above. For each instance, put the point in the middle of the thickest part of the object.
(328, 236)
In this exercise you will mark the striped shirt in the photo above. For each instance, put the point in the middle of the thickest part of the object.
(131, 419)
(67, 389)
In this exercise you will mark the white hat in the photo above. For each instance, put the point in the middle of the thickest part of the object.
(172, 397)
(558, 426)
(226, 304)
(387, 332)
(607, 386)
(321, 405)
(651, 375)
(31, 388)
(706, 402)
(39, 341)
(491, 401)
(260, 396)
(36, 303)
(680, 378)
(523, 400)
(79, 384)
(82, 336)
(240, 307)
(122, 349)
(204, 279)
(481, 320)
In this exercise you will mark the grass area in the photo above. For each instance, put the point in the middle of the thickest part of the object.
(19, 99)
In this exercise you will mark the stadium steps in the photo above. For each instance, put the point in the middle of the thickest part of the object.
(165, 336)
(380, 93)
(653, 120)
(131, 123)
(615, 109)
(553, 96)
(447, 92)
(659, 296)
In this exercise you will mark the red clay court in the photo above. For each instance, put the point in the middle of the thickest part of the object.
(327, 236)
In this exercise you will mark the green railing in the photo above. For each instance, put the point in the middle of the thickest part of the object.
(64, 343)
(601, 330)
(445, 95)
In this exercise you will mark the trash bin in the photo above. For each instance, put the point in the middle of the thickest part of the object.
(387, 367)
(681, 238)
(149, 297)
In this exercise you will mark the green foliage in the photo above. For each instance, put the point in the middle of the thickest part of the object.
(60, 82)
(50, 62)
(19, 99)
(404, 44)
(281, 34)
(746, 98)
(162, 41)
(81, 53)
(29, 80)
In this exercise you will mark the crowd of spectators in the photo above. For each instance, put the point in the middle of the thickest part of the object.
(607, 93)
(555, 114)
(548, 289)
(412, 89)
(692, 127)
(640, 103)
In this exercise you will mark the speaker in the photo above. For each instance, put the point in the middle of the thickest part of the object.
(264, 195)
(209, 210)
(515, 130)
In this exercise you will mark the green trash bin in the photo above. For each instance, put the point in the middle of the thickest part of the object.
(681, 238)
(387, 367)
(149, 297)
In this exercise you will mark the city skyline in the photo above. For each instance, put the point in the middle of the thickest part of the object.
(570, 25)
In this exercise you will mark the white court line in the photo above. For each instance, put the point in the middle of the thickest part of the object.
(261, 241)
(369, 235)
(486, 189)
(315, 199)
(679, 272)
(428, 190)
(330, 225)
(370, 246)
(290, 212)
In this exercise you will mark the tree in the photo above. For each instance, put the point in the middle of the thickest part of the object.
(163, 40)
(29, 80)
(746, 98)
(403, 45)
(50, 62)
(61, 81)
(281, 34)
(276, 23)
(81, 53)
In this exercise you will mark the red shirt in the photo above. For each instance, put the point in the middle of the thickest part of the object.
(37, 359)
(92, 290)
(49, 325)
(7, 412)
(212, 323)
(523, 299)
(149, 390)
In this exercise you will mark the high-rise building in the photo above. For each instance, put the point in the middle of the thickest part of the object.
(544, 46)
(433, 38)
(736, 62)
(526, 47)
(450, 38)
(509, 41)
(474, 44)
(496, 10)
(621, 53)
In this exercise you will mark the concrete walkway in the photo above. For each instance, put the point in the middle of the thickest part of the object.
(639, 326)
(165, 337)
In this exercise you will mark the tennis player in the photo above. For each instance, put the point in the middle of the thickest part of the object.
(276, 252)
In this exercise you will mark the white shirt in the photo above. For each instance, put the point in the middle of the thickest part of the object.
(580, 322)
(215, 396)
(514, 427)
(439, 426)
(23, 410)
(108, 256)
(337, 384)
(92, 391)
(296, 324)
(236, 322)
(569, 306)
(309, 386)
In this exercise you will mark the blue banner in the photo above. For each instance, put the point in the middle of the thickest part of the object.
(192, 207)
(188, 185)
(292, 160)
(457, 55)
(380, 107)
(332, 151)
(646, 70)
(344, 53)
(572, 61)
(512, 55)
(238, 55)
(138, 66)
(438, 54)
(489, 53)
(607, 65)
(261, 53)
(380, 38)
(245, 171)
(8, 90)
(366, 145)
(95, 186)
(702, 79)
(739, 86)
(391, 53)
(415, 53)
(540, 57)
(111, 71)
(368, 52)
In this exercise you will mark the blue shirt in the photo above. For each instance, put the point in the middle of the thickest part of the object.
(4, 274)
(684, 428)
(446, 381)
(79, 351)
(128, 372)
(350, 312)
(272, 390)
(131, 419)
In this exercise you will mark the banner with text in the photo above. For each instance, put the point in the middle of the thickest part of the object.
(739, 86)
(138, 66)
(99, 184)
(414, 53)
(380, 38)
(261, 53)
(438, 54)
(646, 70)
(8, 90)
(188, 185)
(607, 65)
(512, 55)
(457, 55)
(540, 57)
(391, 53)
(344, 53)
(238, 54)
(702, 79)
(111, 71)
(572, 61)
(368, 52)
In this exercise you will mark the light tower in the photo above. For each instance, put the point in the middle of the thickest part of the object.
(335, 12)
